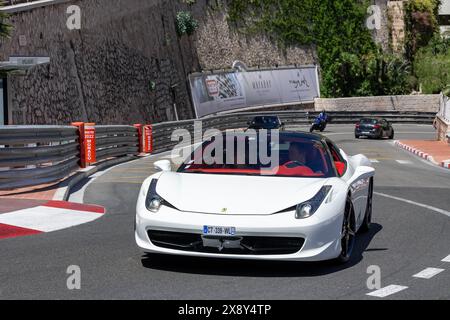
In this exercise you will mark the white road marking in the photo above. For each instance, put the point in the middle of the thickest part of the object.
(374, 161)
(47, 219)
(446, 259)
(444, 212)
(404, 161)
(428, 273)
(386, 291)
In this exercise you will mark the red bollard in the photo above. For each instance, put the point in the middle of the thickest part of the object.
(86, 132)
(148, 134)
(145, 134)
(139, 128)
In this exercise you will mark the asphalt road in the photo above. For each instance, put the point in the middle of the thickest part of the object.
(405, 239)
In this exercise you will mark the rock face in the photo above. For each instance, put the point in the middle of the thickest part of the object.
(126, 64)
(397, 20)
(218, 46)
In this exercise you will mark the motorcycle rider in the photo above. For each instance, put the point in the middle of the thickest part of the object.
(323, 116)
(322, 119)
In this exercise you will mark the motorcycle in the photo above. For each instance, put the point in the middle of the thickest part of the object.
(319, 124)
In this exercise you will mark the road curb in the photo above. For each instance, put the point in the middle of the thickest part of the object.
(446, 164)
(421, 154)
(47, 217)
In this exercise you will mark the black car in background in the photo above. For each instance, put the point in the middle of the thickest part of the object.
(265, 122)
(374, 128)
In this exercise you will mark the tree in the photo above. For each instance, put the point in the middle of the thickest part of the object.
(5, 27)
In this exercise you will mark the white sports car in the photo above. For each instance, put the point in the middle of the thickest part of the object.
(307, 206)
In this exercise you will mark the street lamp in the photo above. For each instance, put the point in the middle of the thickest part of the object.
(240, 66)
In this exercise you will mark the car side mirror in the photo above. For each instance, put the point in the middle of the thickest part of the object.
(163, 165)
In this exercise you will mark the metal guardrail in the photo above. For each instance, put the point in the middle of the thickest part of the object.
(13, 2)
(113, 141)
(162, 132)
(32, 155)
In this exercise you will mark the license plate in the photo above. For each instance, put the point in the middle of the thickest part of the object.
(219, 231)
(365, 132)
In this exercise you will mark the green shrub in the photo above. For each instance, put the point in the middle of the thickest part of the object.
(351, 63)
(432, 66)
(185, 23)
(420, 23)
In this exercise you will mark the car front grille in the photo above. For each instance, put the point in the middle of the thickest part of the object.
(249, 245)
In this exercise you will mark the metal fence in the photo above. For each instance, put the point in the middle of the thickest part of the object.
(33, 155)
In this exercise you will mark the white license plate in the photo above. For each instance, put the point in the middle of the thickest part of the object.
(365, 132)
(219, 231)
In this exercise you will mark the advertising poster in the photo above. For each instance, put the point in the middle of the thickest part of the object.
(215, 93)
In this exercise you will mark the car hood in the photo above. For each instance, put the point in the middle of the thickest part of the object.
(235, 194)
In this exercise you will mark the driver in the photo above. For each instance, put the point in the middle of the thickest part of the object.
(304, 154)
(297, 153)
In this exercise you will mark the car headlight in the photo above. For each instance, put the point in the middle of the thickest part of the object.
(308, 208)
(153, 201)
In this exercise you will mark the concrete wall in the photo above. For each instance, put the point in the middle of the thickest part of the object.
(420, 103)
(103, 72)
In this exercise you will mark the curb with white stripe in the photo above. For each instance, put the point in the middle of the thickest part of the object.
(49, 217)
(424, 155)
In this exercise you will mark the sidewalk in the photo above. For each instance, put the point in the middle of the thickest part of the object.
(40, 192)
(437, 152)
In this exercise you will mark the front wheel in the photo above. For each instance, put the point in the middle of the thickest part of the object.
(348, 234)
(312, 128)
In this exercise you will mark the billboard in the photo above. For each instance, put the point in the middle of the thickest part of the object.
(226, 91)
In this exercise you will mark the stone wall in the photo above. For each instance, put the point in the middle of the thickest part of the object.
(419, 103)
(104, 73)
(442, 129)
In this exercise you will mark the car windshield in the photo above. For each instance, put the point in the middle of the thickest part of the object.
(261, 155)
(369, 121)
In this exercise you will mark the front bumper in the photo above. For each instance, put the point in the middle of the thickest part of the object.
(320, 238)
